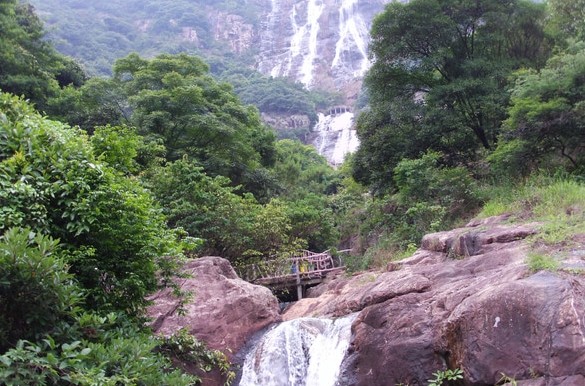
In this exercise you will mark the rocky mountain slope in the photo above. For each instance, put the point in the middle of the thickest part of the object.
(321, 44)
(466, 299)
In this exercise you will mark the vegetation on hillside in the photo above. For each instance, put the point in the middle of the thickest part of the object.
(157, 27)
(106, 191)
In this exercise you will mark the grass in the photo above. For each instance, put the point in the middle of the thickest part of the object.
(539, 262)
(558, 203)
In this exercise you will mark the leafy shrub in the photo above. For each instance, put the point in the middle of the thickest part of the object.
(231, 225)
(36, 292)
(188, 350)
(129, 360)
(445, 375)
(51, 182)
(538, 261)
(425, 180)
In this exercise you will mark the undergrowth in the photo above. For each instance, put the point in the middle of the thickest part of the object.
(539, 261)
(558, 203)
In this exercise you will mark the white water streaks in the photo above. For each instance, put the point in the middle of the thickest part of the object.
(314, 10)
(353, 37)
(300, 352)
(336, 136)
(296, 41)
(299, 59)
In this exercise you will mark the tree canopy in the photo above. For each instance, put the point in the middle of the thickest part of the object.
(51, 182)
(546, 116)
(29, 65)
(439, 75)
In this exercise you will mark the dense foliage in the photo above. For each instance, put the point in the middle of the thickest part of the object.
(51, 182)
(29, 65)
(99, 201)
(546, 123)
(149, 27)
(439, 79)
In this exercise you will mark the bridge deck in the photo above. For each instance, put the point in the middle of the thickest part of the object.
(306, 278)
(309, 268)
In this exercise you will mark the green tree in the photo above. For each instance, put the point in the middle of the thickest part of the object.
(546, 116)
(50, 181)
(174, 98)
(29, 65)
(311, 218)
(231, 225)
(300, 170)
(36, 292)
(98, 102)
(445, 63)
(567, 18)
(206, 207)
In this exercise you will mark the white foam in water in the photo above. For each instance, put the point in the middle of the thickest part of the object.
(300, 352)
(336, 137)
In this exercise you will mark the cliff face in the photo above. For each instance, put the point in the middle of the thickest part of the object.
(320, 43)
(466, 299)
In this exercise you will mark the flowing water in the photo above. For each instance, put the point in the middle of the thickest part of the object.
(312, 40)
(298, 37)
(300, 352)
(335, 136)
(351, 49)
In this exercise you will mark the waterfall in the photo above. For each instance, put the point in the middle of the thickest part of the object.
(352, 41)
(335, 136)
(314, 10)
(299, 58)
(322, 44)
(267, 44)
(300, 352)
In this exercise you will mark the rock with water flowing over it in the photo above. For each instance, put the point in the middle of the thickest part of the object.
(466, 300)
(224, 312)
(318, 42)
(306, 351)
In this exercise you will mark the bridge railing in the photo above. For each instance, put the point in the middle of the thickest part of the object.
(304, 263)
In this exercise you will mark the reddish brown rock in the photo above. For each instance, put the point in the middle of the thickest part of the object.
(574, 380)
(467, 301)
(225, 310)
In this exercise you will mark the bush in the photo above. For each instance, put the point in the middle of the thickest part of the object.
(123, 360)
(425, 180)
(538, 261)
(51, 182)
(36, 292)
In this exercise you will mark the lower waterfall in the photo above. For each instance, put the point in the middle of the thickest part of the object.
(334, 136)
(300, 352)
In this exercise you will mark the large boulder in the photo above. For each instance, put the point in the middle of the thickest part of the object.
(224, 310)
(465, 300)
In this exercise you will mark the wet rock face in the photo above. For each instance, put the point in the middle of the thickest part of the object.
(225, 310)
(318, 42)
(466, 300)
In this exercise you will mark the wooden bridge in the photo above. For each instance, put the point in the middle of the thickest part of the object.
(301, 271)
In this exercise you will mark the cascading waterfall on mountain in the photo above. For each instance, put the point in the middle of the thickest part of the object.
(313, 48)
(353, 37)
(336, 136)
(300, 352)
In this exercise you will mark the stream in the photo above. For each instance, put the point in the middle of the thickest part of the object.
(300, 352)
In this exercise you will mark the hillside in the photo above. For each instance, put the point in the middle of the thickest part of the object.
(98, 33)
